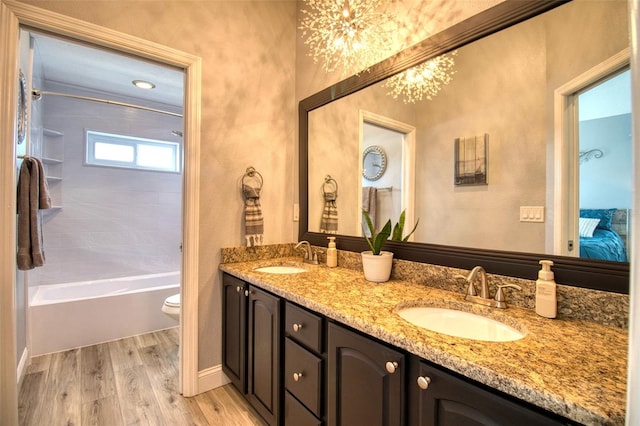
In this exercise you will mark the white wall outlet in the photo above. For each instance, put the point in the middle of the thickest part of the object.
(296, 212)
(531, 213)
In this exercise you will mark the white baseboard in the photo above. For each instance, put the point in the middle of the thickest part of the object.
(211, 378)
(22, 366)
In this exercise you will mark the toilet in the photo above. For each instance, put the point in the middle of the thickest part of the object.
(171, 306)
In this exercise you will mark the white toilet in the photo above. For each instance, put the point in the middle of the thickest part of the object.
(171, 306)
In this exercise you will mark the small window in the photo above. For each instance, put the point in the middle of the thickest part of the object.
(105, 149)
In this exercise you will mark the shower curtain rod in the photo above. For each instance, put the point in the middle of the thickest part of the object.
(37, 94)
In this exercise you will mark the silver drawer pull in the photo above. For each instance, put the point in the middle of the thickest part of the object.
(297, 377)
(391, 366)
(297, 327)
(423, 382)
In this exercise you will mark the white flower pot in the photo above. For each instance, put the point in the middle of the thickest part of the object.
(377, 268)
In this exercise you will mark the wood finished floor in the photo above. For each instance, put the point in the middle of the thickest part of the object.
(124, 382)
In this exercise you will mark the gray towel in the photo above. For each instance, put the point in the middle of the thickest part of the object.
(253, 220)
(369, 199)
(33, 195)
(329, 221)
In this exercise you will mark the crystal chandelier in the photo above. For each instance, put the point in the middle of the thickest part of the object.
(424, 80)
(352, 34)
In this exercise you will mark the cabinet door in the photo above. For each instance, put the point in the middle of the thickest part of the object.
(234, 331)
(361, 391)
(451, 401)
(264, 385)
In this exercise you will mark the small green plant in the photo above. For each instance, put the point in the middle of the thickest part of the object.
(376, 241)
(398, 229)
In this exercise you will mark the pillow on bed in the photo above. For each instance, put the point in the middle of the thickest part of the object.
(587, 226)
(605, 216)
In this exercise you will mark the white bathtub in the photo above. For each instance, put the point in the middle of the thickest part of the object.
(71, 315)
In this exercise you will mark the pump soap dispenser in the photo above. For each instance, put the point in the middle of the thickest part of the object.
(546, 300)
(332, 253)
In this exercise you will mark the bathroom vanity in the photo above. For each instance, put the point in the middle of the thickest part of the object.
(325, 346)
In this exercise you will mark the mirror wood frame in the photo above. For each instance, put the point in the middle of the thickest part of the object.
(593, 274)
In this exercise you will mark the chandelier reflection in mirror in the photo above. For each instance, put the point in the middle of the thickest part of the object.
(423, 81)
(352, 34)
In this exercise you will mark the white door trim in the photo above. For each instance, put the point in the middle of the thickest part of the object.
(12, 15)
(408, 159)
(566, 178)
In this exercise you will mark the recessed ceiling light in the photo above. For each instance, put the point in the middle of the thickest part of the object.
(143, 84)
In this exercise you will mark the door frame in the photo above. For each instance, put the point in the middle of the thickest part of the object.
(566, 197)
(13, 15)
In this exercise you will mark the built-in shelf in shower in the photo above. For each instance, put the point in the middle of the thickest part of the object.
(47, 160)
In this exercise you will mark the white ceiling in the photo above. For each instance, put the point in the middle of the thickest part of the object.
(95, 68)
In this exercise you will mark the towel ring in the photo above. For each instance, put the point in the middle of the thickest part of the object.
(328, 180)
(252, 173)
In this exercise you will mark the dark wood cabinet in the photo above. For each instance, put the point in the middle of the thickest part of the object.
(365, 380)
(251, 341)
(264, 387)
(234, 331)
(440, 398)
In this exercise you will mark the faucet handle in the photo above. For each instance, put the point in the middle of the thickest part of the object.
(471, 291)
(500, 294)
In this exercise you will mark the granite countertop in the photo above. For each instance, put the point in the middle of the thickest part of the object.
(574, 368)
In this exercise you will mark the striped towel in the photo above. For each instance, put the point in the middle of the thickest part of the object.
(329, 221)
(253, 221)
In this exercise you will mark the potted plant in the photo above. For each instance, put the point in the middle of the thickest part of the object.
(376, 263)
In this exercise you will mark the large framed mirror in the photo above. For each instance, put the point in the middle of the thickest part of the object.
(521, 70)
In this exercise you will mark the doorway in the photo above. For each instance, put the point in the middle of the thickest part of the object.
(112, 156)
(567, 148)
(390, 190)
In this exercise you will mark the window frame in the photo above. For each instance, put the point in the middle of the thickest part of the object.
(92, 137)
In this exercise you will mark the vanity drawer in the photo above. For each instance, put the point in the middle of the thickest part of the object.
(303, 375)
(295, 414)
(304, 326)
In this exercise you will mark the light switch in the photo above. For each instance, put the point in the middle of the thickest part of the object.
(531, 213)
(296, 212)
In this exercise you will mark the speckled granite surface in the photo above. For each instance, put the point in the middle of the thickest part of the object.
(571, 367)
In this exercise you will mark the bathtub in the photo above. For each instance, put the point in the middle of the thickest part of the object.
(71, 315)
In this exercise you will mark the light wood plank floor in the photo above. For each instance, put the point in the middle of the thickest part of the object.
(124, 382)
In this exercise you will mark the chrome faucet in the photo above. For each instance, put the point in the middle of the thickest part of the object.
(309, 255)
(484, 298)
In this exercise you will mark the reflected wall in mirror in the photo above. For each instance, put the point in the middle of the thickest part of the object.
(503, 86)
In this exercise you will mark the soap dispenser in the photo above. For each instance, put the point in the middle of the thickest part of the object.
(332, 253)
(546, 300)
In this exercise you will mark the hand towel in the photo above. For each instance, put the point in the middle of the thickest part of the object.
(369, 199)
(253, 220)
(329, 221)
(33, 195)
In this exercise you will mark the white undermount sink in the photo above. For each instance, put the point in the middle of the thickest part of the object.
(281, 269)
(460, 324)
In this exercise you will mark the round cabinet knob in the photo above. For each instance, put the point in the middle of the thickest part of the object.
(297, 327)
(246, 292)
(391, 367)
(423, 382)
(297, 377)
(238, 289)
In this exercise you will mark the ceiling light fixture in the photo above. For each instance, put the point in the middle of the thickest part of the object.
(352, 34)
(424, 80)
(143, 84)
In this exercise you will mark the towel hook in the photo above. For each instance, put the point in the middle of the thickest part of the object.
(254, 174)
(328, 180)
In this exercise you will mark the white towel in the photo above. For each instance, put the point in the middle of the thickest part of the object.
(33, 195)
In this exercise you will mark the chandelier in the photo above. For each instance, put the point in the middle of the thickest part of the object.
(424, 80)
(352, 34)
